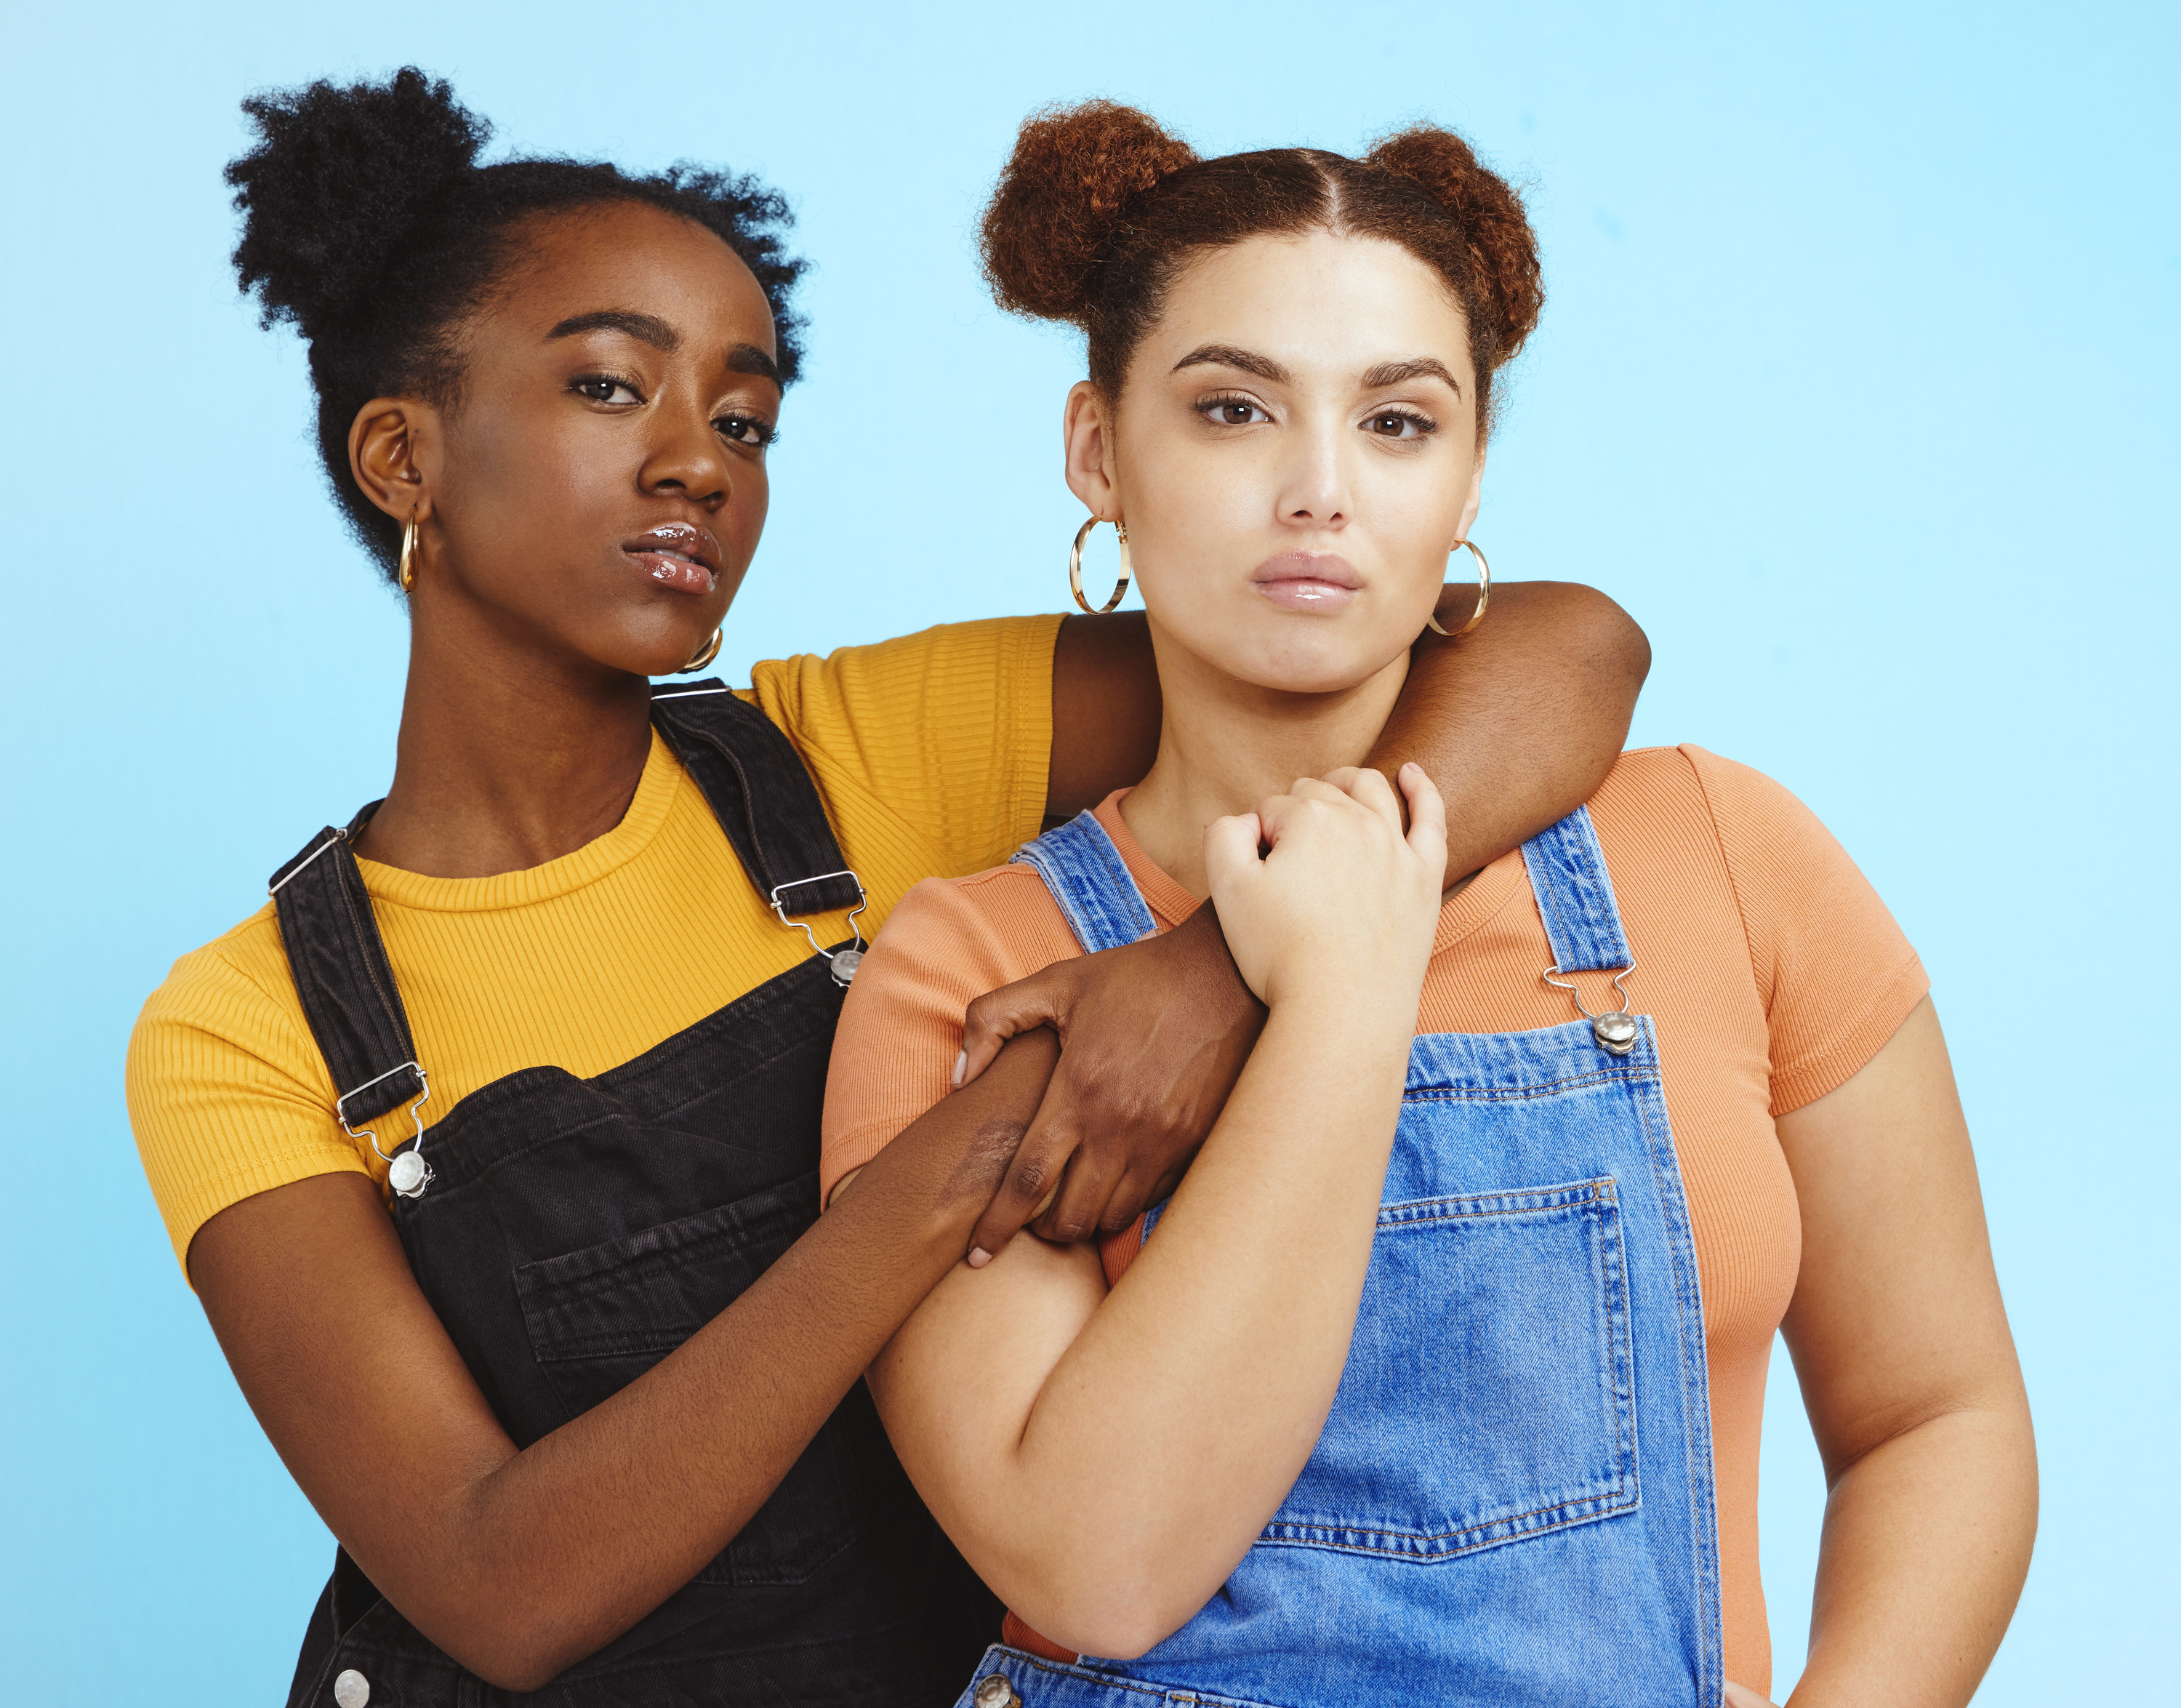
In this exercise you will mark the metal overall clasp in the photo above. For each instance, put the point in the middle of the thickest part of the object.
(844, 961)
(406, 1170)
(1616, 1032)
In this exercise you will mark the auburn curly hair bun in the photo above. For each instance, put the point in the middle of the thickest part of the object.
(1064, 194)
(1100, 208)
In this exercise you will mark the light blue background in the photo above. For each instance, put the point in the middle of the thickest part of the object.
(1856, 386)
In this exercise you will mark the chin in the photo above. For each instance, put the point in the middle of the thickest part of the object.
(1311, 666)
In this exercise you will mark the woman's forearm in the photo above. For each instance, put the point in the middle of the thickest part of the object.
(712, 1429)
(519, 1563)
(1104, 1460)
(1927, 1540)
(1519, 722)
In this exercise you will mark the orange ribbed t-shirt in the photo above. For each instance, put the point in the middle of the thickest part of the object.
(930, 754)
(1771, 970)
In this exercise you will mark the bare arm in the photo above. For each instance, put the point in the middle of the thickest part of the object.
(1104, 1460)
(518, 1564)
(1517, 724)
(1910, 1375)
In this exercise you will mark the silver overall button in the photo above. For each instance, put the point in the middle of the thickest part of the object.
(353, 1690)
(845, 963)
(1616, 1033)
(993, 1691)
(406, 1175)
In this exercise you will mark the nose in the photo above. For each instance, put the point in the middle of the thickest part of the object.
(1314, 486)
(687, 460)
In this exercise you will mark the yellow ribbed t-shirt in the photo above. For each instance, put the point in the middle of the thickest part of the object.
(930, 754)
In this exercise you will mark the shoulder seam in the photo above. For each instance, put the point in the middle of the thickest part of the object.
(1733, 881)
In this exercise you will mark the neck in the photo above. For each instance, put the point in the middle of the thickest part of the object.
(509, 755)
(1225, 745)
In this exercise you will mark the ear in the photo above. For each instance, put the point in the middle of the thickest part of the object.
(1469, 505)
(393, 453)
(1087, 444)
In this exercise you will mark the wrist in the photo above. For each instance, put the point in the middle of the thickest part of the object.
(1352, 1027)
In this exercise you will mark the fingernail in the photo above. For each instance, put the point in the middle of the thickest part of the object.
(979, 1257)
(961, 1063)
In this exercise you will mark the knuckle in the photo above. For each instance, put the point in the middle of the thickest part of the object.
(1030, 1179)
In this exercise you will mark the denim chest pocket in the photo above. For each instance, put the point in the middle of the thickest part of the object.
(599, 1318)
(1489, 1391)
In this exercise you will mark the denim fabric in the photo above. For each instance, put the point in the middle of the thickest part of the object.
(1055, 1684)
(1511, 1500)
(575, 1232)
(1104, 909)
(1567, 875)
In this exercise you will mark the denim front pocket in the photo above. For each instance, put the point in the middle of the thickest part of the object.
(599, 1318)
(1489, 1392)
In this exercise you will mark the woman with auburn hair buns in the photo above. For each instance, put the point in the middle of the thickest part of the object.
(1440, 1378)
(489, 1143)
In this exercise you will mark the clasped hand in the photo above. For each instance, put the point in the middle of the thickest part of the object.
(1322, 897)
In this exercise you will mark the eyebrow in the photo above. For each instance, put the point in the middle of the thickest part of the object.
(646, 329)
(1229, 356)
(748, 358)
(650, 328)
(1416, 368)
(1384, 374)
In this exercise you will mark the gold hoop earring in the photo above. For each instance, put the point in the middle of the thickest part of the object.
(710, 652)
(1483, 593)
(1076, 567)
(407, 574)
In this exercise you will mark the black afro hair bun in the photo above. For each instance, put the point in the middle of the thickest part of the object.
(343, 181)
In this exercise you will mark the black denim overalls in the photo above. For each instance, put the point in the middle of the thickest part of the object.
(571, 1233)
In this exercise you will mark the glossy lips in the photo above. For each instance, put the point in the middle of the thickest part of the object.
(1308, 581)
(677, 555)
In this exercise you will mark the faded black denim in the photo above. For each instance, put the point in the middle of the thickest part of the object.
(573, 1232)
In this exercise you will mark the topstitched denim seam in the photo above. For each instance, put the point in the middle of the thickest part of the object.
(1615, 1491)
(1589, 1201)
(1546, 1088)
(1698, 1417)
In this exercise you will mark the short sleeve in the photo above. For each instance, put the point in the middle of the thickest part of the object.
(952, 728)
(947, 943)
(228, 1095)
(1835, 973)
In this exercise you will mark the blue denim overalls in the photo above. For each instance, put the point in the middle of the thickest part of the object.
(1511, 1501)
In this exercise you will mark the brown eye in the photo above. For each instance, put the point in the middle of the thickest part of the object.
(1400, 424)
(745, 429)
(603, 388)
(1232, 412)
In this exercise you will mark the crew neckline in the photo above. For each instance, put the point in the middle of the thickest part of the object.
(1171, 902)
(663, 777)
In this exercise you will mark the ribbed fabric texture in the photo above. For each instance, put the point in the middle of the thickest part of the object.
(1770, 968)
(930, 753)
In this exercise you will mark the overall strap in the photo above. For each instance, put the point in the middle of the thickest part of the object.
(1091, 880)
(750, 774)
(761, 795)
(1567, 871)
(343, 977)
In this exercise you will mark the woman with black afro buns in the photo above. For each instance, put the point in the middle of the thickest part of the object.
(489, 1143)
